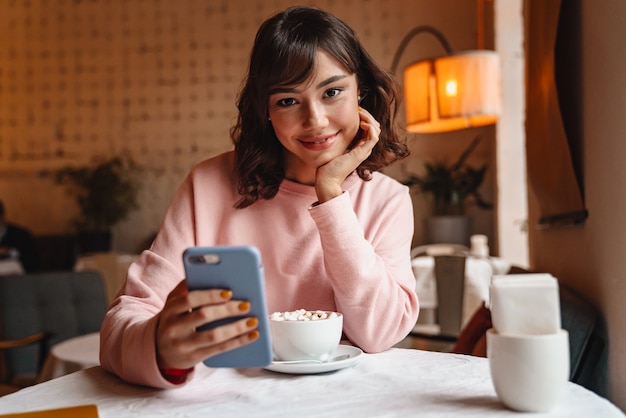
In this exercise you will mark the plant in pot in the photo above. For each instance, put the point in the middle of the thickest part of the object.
(453, 189)
(106, 192)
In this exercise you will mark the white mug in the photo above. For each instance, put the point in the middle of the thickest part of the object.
(529, 372)
(294, 340)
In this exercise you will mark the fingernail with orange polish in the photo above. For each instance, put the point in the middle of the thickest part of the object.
(252, 322)
(244, 306)
(226, 294)
(253, 335)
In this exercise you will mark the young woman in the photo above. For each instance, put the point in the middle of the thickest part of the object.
(302, 185)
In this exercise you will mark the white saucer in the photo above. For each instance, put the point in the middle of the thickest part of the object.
(353, 353)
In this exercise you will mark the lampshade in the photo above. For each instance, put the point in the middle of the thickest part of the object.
(452, 92)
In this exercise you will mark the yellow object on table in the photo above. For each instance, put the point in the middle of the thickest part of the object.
(81, 411)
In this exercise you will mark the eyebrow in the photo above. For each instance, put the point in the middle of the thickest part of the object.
(326, 82)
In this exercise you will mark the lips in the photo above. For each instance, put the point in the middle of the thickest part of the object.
(318, 142)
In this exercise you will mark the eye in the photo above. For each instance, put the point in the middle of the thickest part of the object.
(286, 102)
(332, 92)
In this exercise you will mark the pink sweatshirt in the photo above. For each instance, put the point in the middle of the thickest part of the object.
(350, 254)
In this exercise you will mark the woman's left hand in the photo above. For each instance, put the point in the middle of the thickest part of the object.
(330, 176)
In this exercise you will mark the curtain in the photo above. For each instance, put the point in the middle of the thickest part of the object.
(552, 175)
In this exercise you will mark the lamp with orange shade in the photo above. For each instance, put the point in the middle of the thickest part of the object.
(450, 92)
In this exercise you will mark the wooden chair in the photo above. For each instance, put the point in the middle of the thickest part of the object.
(6, 388)
(39, 310)
(449, 270)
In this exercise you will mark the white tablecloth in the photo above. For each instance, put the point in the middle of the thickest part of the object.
(478, 273)
(10, 266)
(395, 383)
(71, 355)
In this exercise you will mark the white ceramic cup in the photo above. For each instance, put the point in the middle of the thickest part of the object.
(306, 340)
(529, 372)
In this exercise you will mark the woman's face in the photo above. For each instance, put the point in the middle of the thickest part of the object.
(317, 120)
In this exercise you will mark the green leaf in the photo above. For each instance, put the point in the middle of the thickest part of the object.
(105, 191)
(454, 187)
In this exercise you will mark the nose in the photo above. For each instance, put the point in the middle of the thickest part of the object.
(314, 115)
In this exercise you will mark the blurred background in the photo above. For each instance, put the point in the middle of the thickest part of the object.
(156, 81)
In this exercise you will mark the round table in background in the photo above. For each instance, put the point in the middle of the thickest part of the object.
(72, 355)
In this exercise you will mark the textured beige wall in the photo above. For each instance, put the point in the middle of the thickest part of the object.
(157, 79)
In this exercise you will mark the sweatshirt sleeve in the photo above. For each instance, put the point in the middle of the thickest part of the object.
(127, 335)
(369, 265)
(128, 332)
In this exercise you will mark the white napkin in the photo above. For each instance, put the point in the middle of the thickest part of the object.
(525, 304)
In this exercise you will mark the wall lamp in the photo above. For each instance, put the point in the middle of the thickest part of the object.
(451, 92)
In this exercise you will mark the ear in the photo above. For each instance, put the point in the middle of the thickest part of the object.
(362, 92)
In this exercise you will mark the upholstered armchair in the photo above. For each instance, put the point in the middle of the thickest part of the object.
(42, 309)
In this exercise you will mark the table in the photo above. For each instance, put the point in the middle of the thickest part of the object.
(10, 266)
(71, 355)
(397, 382)
(112, 266)
(478, 273)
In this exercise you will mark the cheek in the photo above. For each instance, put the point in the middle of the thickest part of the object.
(349, 117)
(281, 127)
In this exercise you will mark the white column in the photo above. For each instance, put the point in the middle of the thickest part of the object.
(512, 195)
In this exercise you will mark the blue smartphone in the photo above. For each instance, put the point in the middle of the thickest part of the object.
(239, 269)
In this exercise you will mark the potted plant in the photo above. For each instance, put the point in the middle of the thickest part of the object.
(106, 192)
(453, 189)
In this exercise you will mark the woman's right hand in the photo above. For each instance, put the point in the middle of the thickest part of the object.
(330, 176)
(180, 346)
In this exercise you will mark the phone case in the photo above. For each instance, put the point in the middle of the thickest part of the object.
(239, 269)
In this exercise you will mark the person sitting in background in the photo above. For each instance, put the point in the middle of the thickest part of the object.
(17, 242)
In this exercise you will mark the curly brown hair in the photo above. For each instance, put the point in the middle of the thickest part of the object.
(284, 54)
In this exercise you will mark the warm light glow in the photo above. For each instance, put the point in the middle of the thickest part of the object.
(452, 92)
(451, 89)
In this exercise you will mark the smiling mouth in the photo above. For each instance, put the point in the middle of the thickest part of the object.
(318, 141)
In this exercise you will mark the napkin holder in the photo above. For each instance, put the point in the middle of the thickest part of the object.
(525, 304)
